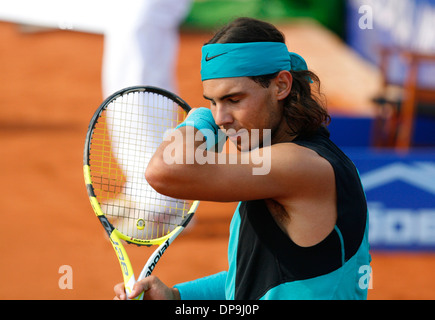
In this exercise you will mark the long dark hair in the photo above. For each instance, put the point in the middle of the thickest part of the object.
(303, 108)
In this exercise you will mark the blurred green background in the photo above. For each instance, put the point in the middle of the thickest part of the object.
(211, 14)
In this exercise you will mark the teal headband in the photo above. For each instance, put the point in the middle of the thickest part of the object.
(227, 60)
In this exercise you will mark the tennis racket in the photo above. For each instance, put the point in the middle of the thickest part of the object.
(122, 136)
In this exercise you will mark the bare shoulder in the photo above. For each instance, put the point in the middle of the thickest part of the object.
(296, 157)
(300, 169)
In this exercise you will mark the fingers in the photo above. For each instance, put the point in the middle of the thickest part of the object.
(138, 288)
(190, 112)
(152, 288)
(119, 292)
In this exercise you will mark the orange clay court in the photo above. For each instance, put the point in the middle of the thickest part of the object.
(50, 86)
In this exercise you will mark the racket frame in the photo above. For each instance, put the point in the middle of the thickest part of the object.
(115, 235)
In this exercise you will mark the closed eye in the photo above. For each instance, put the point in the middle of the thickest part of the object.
(232, 97)
(212, 102)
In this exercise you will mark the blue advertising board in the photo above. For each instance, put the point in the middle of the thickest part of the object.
(400, 191)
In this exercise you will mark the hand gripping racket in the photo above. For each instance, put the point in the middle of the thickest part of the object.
(122, 136)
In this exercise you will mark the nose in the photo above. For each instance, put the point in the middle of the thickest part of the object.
(222, 116)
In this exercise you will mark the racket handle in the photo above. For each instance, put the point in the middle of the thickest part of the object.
(139, 297)
(129, 288)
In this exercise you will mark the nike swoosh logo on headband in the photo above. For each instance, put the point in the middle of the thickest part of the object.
(207, 58)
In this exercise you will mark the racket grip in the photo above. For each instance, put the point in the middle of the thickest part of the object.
(129, 288)
(139, 297)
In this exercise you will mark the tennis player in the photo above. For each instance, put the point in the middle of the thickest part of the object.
(300, 230)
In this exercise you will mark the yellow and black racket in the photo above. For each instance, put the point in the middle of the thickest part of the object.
(122, 136)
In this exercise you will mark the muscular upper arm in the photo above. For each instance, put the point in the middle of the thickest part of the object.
(276, 171)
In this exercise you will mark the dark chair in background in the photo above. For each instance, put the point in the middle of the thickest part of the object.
(399, 103)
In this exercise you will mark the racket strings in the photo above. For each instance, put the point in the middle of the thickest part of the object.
(124, 139)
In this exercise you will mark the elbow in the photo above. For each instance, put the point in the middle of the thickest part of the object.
(162, 177)
(155, 176)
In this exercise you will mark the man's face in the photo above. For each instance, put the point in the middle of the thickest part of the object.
(240, 105)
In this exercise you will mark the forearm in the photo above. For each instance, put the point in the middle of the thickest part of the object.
(207, 288)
